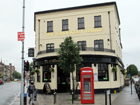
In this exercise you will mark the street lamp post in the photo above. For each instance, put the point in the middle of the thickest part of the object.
(130, 76)
(131, 79)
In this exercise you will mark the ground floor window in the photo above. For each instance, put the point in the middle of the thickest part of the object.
(103, 72)
(46, 73)
(114, 74)
(38, 77)
(78, 73)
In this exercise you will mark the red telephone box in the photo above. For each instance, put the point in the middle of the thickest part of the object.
(87, 85)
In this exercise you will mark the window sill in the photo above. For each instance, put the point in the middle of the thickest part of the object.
(49, 31)
(46, 81)
(81, 28)
(102, 80)
(98, 27)
(66, 30)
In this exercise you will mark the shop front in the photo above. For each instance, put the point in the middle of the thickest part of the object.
(62, 81)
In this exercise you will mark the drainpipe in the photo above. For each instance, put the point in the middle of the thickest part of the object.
(110, 30)
(38, 35)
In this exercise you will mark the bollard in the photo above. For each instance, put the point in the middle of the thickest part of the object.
(107, 92)
(25, 98)
(110, 97)
(105, 98)
(72, 97)
(54, 96)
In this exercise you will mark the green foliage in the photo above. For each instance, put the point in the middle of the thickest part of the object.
(31, 69)
(11, 78)
(51, 69)
(1, 76)
(37, 71)
(31, 66)
(127, 76)
(123, 71)
(114, 69)
(132, 69)
(32, 72)
(16, 74)
(68, 55)
(139, 75)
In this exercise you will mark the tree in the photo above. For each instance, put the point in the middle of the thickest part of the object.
(31, 66)
(1, 76)
(69, 56)
(139, 75)
(132, 69)
(16, 74)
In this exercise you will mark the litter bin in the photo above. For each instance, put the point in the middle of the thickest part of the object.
(25, 98)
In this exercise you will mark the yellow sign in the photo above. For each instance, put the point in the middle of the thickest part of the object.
(72, 32)
(119, 64)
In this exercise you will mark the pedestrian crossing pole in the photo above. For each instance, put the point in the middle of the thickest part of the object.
(22, 61)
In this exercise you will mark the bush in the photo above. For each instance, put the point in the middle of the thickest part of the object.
(32, 72)
(127, 76)
(51, 69)
(37, 71)
(123, 71)
(114, 69)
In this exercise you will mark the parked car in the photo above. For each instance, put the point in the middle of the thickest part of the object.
(1, 82)
(135, 80)
(137, 87)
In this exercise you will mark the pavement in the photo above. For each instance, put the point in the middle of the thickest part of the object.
(126, 98)
(16, 101)
(122, 98)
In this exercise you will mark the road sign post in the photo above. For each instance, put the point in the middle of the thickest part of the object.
(22, 58)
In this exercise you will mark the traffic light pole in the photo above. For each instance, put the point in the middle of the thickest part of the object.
(22, 61)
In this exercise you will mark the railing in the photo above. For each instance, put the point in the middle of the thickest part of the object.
(86, 49)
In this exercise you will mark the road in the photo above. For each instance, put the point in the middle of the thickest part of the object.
(8, 92)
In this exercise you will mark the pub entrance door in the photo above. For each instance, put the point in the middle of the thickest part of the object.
(63, 81)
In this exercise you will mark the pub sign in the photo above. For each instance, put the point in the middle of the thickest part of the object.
(31, 52)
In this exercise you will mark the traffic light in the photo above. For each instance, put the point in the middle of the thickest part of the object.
(24, 75)
(26, 66)
(24, 83)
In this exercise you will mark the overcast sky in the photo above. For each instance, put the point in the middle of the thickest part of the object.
(11, 22)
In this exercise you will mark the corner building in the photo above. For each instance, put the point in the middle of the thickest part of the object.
(95, 28)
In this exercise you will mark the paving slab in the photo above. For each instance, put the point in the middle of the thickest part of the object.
(126, 98)
(62, 99)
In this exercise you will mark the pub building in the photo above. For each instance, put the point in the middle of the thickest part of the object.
(95, 28)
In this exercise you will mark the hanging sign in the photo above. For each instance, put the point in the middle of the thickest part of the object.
(31, 52)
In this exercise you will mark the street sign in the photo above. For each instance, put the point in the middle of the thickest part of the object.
(31, 52)
(21, 36)
(107, 92)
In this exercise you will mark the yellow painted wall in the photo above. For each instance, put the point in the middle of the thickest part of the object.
(82, 35)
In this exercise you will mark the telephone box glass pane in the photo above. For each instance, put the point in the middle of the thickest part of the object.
(87, 86)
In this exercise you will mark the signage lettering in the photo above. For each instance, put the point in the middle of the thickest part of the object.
(72, 32)
(46, 61)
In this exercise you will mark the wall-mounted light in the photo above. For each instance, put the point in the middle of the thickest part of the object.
(40, 45)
